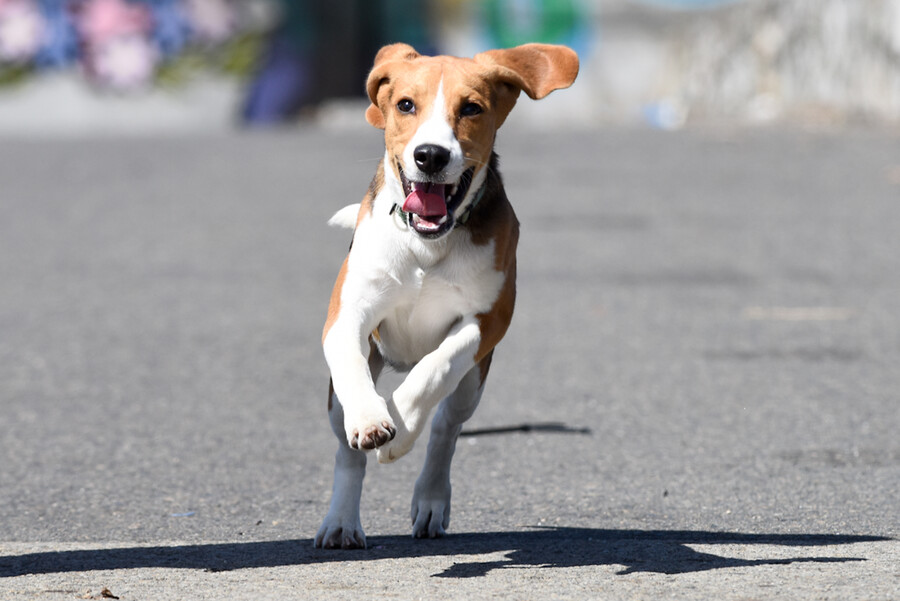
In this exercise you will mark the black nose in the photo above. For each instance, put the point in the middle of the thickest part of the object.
(431, 158)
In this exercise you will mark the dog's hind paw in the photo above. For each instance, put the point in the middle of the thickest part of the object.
(431, 511)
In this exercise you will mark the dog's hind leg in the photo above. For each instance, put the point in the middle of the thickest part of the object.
(342, 527)
(431, 497)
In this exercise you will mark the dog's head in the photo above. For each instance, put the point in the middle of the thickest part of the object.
(440, 115)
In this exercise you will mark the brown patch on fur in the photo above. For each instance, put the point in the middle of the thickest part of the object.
(404, 79)
(392, 53)
(493, 220)
(330, 394)
(536, 69)
(494, 323)
(484, 366)
(334, 306)
(375, 186)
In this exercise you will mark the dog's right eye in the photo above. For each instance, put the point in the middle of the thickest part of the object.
(406, 106)
(471, 109)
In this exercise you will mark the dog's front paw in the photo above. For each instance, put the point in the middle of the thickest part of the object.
(336, 533)
(410, 420)
(431, 509)
(370, 429)
(372, 436)
(401, 444)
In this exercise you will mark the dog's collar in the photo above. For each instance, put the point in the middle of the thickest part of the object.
(460, 221)
(467, 212)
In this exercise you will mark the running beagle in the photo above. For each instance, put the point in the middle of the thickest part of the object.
(428, 286)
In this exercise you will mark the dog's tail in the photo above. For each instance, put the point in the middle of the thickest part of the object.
(346, 217)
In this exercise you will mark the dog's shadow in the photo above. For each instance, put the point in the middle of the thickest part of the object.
(654, 551)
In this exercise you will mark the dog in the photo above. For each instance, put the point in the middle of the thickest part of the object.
(428, 286)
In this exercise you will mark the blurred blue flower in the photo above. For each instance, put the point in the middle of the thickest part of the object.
(171, 28)
(61, 43)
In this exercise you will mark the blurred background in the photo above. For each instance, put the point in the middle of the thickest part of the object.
(717, 304)
(140, 66)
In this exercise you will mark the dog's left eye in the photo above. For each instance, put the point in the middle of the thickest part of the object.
(470, 110)
(406, 106)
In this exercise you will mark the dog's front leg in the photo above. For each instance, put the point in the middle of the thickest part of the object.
(341, 527)
(367, 422)
(432, 379)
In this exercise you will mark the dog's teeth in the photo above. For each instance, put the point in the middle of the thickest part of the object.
(443, 220)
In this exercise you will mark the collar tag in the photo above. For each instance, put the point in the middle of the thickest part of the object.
(403, 215)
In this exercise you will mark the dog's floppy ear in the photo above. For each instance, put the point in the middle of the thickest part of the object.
(536, 69)
(380, 74)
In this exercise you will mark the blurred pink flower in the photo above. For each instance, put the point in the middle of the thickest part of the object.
(212, 20)
(21, 30)
(118, 50)
(101, 20)
(124, 63)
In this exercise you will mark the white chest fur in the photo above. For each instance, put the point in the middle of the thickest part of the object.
(416, 289)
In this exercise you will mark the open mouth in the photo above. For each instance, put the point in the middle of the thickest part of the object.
(430, 206)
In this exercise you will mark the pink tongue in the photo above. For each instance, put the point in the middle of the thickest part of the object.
(425, 204)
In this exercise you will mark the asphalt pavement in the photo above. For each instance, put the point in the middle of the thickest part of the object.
(699, 397)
